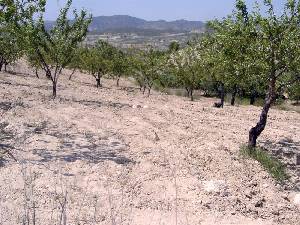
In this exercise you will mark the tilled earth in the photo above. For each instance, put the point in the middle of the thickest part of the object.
(113, 156)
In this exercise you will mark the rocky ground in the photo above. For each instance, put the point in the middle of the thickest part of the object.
(113, 156)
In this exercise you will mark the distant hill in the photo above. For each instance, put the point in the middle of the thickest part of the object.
(127, 24)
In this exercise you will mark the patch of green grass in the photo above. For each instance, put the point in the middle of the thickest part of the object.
(271, 164)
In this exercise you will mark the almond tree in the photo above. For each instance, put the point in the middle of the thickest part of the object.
(153, 61)
(147, 67)
(189, 66)
(120, 65)
(14, 18)
(54, 48)
(98, 60)
(272, 54)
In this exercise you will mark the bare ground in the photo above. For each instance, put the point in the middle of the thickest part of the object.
(113, 156)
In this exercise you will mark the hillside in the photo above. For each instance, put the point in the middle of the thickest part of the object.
(125, 24)
(113, 156)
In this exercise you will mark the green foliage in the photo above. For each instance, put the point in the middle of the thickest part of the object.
(294, 92)
(120, 65)
(271, 164)
(14, 19)
(189, 65)
(54, 48)
(174, 46)
(98, 60)
(147, 67)
(258, 52)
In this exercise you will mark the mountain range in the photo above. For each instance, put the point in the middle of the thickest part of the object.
(129, 24)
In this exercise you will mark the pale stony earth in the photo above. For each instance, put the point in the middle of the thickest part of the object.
(112, 156)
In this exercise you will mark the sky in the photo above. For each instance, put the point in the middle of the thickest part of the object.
(202, 10)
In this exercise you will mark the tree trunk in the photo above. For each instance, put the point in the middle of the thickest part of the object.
(149, 91)
(118, 81)
(54, 83)
(98, 80)
(36, 73)
(188, 92)
(253, 97)
(192, 95)
(222, 95)
(1, 65)
(71, 75)
(5, 67)
(260, 126)
(144, 89)
(48, 74)
(235, 90)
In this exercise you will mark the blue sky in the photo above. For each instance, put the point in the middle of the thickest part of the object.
(155, 9)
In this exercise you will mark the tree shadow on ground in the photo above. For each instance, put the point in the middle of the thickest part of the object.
(4, 133)
(40, 87)
(128, 89)
(286, 147)
(6, 106)
(84, 147)
(287, 151)
(106, 104)
(93, 103)
(5, 152)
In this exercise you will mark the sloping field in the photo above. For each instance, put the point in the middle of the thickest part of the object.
(112, 156)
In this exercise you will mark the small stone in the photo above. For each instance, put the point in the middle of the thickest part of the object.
(146, 107)
(297, 199)
(286, 197)
(253, 184)
(260, 203)
(216, 186)
(265, 185)
(207, 205)
(156, 137)
(249, 196)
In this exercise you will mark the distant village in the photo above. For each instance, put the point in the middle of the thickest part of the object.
(133, 40)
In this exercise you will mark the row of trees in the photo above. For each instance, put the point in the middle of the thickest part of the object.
(23, 33)
(99, 60)
(261, 51)
(252, 53)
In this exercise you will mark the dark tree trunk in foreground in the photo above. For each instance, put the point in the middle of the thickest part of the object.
(1, 65)
(118, 81)
(234, 93)
(260, 126)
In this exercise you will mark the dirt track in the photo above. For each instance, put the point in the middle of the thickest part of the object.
(121, 158)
